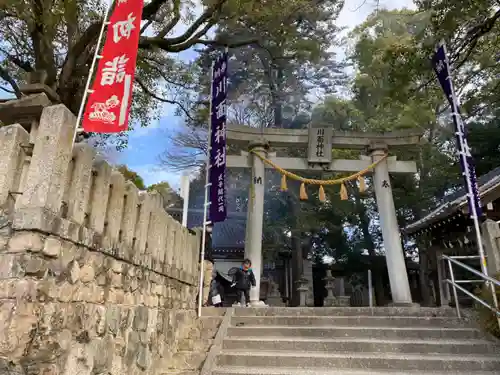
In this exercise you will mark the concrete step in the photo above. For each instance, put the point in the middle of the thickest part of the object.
(234, 370)
(361, 345)
(388, 333)
(344, 311)
(366, 321)
(210, 322)
(213, 311)
(372, 361)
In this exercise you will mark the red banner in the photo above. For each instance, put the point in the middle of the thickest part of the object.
(108, 105)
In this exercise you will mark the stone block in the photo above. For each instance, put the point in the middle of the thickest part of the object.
(26, 241)
(132, 348)
(130, 212)
(74, 272)
(46, 176)
(79, 188)
(141, 230)
(11, 159)
(87, 273)
(4, 240)
(99, 196)
(36, 267)
(52, 247)
(113, 317)
(115, 211)
(11, 266)
(169, 243)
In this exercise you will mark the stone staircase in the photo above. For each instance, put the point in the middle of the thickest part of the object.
(351, 341)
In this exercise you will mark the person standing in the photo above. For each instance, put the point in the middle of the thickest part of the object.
(215, 296)
(243, 281)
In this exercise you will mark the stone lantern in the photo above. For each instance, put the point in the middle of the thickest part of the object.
(330, 299)
(303, 289)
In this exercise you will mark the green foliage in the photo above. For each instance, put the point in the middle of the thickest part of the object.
(170, 197)
(132, 176)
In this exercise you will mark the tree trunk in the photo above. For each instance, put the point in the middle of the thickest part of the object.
(377, 271)
(297, 256)
(424, 277)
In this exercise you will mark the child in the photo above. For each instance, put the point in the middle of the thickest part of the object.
(243, 280)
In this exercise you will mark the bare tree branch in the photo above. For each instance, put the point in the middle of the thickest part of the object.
(209, 15)
(164, 100)
(7, 78)
(152, 8)
(24, 65)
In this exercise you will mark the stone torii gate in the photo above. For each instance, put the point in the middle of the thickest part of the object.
(320, 142)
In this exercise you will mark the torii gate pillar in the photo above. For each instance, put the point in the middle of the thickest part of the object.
(396, 266)
(255, 219)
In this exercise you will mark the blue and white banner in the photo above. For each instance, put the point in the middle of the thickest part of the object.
(441, 66)
(217, 168)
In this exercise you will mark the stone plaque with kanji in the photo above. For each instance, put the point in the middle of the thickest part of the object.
(320, 145)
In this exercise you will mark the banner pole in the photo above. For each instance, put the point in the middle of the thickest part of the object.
(206, 202)
(92, 68)
(463, 150)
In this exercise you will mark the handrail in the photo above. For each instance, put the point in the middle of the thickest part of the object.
(485, 278)
(470, 269)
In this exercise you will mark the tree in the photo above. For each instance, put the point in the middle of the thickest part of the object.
(170, 197)
(277, 74)
(132, 176)
(466, 24)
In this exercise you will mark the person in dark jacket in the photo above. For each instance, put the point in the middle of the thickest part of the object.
(243, 280)
(215, 297)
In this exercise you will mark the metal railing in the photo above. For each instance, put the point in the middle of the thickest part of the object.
(489, 281)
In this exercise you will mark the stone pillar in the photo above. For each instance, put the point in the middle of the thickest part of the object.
(302, 288)
(274, 295)
(46, 178)
(341, 285)
(253, 243)
(444, 287)
(396, 265)
(308, 274)
(329, 285)
(491, 234)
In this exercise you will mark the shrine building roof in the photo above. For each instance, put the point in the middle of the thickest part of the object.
(456, 203)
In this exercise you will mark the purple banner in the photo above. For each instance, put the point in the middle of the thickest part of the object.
(441, 66)
(218, 209)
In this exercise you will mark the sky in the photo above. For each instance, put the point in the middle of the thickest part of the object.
(146, 144)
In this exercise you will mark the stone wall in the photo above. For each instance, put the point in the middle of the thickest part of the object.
(96, 278)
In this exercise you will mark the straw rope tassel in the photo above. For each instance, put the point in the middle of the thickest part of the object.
(303, 192)
(343, 193)
(362, 184)
(322, 195)
(283, 183)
